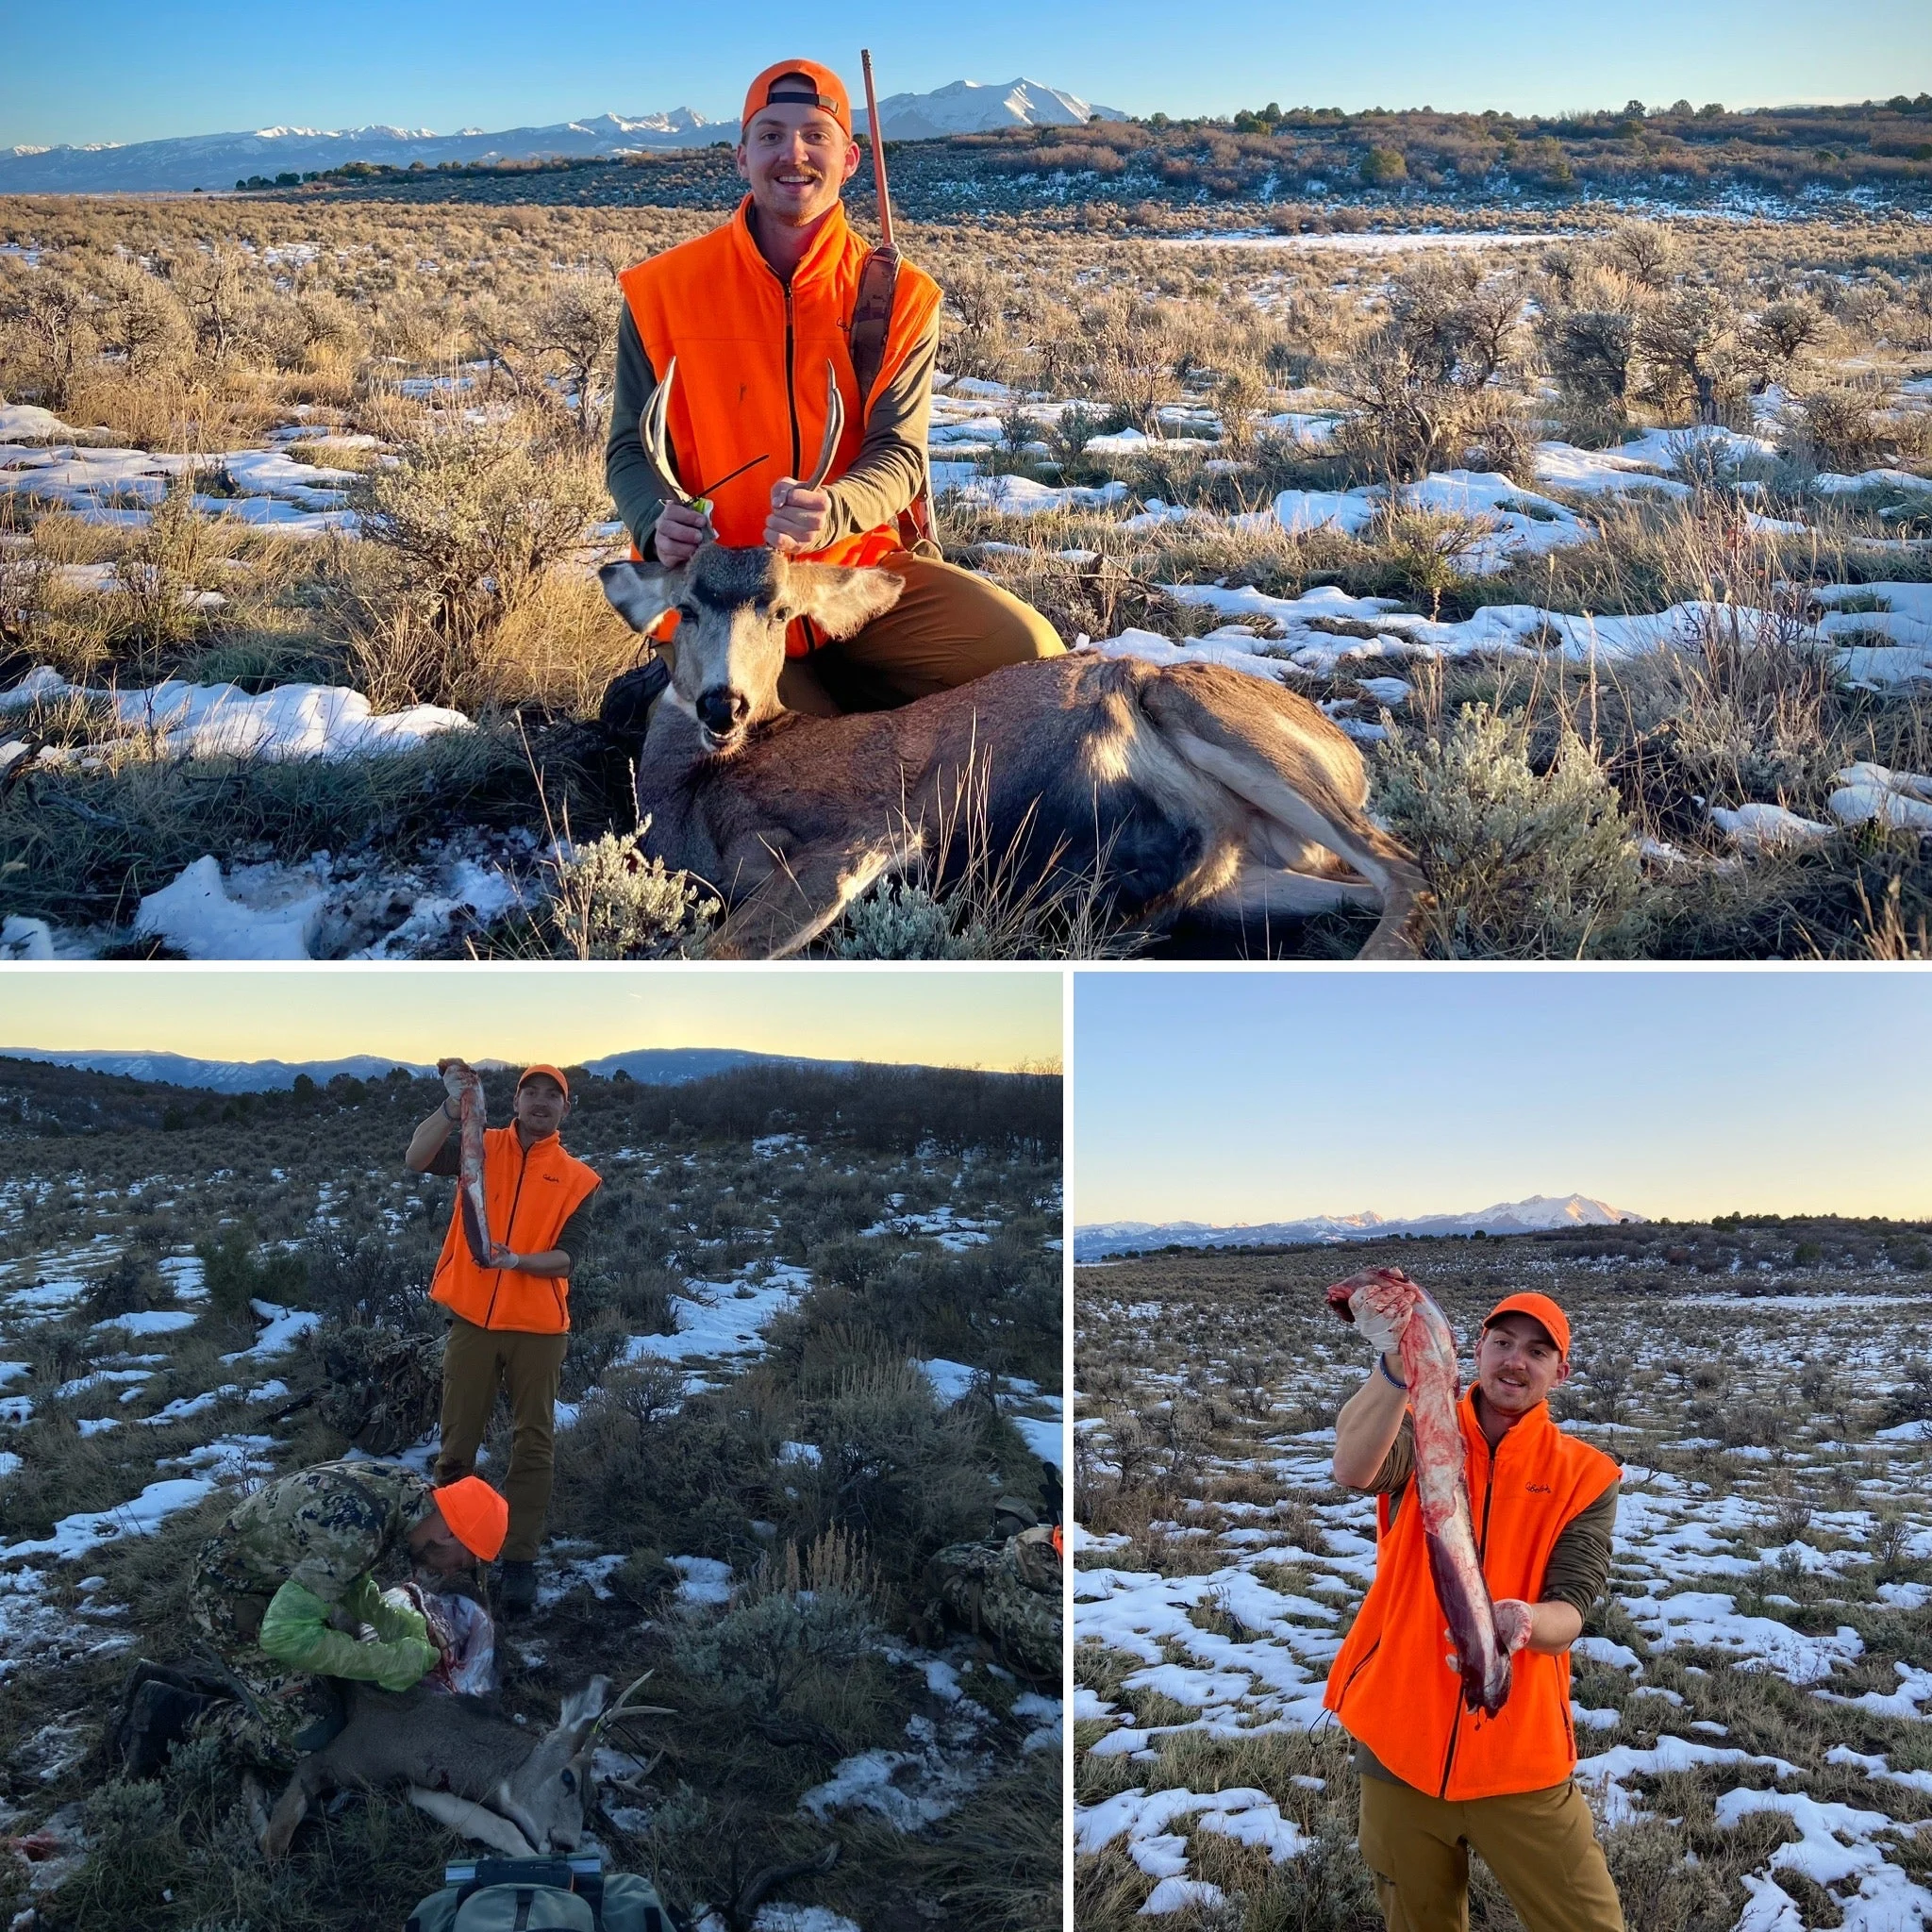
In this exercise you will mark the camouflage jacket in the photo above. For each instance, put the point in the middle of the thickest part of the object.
(322, 1528)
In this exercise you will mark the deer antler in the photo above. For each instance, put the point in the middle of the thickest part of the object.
(623, 1708)
(651, 434)
(834, 426)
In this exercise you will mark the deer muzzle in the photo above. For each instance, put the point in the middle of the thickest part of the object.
(722, 711)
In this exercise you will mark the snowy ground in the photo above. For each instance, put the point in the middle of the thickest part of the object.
(1762, 1649)
(1004, 469)
(123, 1437)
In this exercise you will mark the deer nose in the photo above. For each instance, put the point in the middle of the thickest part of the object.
(721, 709)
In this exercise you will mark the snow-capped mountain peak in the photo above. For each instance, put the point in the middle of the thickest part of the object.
(974, 107)
(1537, 1214)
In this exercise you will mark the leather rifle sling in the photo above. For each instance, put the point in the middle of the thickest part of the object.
(872, 320)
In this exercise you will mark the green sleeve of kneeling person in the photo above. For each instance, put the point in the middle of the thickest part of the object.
(295, 1631)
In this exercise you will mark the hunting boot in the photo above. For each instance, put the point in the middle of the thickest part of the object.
(161, 1714)
(625, 712)
(516, 1589)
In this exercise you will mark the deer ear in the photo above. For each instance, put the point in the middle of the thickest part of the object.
(639, 593)
(842, 600)
(582, 1708)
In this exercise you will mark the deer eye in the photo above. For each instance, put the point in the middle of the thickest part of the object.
(570, 1779)
(780, 613)
(687, 612)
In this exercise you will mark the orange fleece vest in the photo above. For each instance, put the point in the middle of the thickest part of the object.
(528, 1195)
(1391, 1686)
(751, 367)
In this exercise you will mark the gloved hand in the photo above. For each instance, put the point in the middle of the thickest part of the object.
(1383, 1333)
(1513, 1620)
(392, 1616)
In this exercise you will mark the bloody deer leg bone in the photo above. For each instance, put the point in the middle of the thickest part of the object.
(1428, 1365)
(466, 1089)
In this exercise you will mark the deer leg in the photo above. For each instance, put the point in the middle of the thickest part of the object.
(474, 1821)
(293, 1807)
(800, 897)
(1259, 891)
(1305, 786)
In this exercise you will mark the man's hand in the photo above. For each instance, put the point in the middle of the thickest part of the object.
(446, 1066)
(501, 1256)
(678, 533)
(1383, 1333)
(1514, 1619)
(800, 517)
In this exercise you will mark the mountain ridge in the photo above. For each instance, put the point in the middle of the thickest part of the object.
(653, 1066)
(1535, 1214)
(183, 163)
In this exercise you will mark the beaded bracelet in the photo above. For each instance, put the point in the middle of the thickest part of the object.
(1382, 1364)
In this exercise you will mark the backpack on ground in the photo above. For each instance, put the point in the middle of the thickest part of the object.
(540, 1895)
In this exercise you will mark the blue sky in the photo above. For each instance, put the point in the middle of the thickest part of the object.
(117, 71)
(1240, 1097)
(997, 1020)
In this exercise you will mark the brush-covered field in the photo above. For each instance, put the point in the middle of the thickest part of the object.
(816, 1334)
(1609, 541)
(1753, 1707)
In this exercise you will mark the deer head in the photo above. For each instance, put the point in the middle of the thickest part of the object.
(545, 1797)
(733, 605)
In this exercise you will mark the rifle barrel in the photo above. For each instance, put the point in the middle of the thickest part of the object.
(878, 150)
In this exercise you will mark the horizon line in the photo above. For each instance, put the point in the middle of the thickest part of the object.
(404, 128)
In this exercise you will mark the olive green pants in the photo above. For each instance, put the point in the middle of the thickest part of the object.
(1541, 1845)
(477, 1362)
(948, 628)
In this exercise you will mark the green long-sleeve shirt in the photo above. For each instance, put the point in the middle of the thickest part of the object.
(888, 473)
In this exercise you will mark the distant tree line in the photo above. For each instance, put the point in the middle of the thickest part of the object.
(885, 1109)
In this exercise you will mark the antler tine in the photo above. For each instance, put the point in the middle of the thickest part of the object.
(623, 1708)
(651, 434)
(834, 426)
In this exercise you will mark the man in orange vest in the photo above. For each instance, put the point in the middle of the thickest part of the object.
(1437, 1782)
(510, 1322)
(753, 312)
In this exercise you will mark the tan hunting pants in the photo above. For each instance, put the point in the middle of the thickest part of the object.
(948, 628)
(528, 1368)
(1541, 1845)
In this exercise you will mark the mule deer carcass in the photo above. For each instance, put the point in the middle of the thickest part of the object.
(522, 1792)
(1185, 789)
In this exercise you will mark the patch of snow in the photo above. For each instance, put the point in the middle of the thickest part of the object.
(701, 1580)
(287, 722)
(79, 1535)
(285, 1328)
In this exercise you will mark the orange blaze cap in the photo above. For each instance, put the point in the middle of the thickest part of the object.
(478, 1518)
(552, 1072)
(1539, 1307)
(798, 84)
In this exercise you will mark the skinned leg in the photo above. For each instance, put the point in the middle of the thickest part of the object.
(1414, 1847)
(473, 1366)
(1543, 1849)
